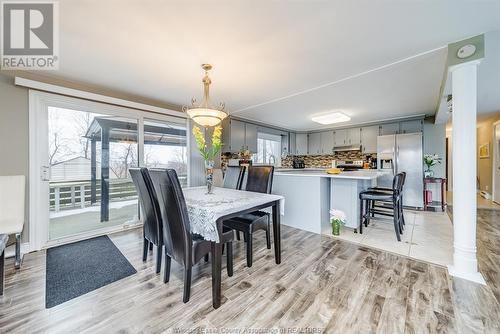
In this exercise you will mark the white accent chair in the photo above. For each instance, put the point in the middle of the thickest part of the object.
(12, 201)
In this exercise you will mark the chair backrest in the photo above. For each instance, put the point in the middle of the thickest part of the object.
(12, 201)
(397, 183)
(233, 177)
(149, 204)
(218, 179)
(176, 227)
(260, 179)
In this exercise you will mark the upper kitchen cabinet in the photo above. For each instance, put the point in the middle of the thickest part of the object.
(251, 137)
(389, 129)
(238, 135)
(353, 137)
(301, 145)
(326, 139)
(292, 143)
(412, 126)
(340, 138)
(314, 144)
(369, 136)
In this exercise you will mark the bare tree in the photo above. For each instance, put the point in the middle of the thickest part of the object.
(54, 146)
(82, 123)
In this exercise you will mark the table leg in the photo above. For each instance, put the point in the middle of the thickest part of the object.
(216, 273)
(277, 232)
(443, 196)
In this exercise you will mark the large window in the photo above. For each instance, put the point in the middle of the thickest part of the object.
(165, 147)
(268, 149)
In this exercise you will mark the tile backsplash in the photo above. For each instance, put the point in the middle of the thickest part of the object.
(325, 161)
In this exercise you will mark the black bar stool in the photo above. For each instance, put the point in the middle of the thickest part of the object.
(390, 190)
(366, 208)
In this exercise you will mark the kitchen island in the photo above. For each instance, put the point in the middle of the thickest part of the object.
(311, 193)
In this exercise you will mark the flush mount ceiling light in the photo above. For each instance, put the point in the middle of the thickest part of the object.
(203, 113)
(334, 117)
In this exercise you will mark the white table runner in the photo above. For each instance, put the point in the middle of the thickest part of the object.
(204, 210)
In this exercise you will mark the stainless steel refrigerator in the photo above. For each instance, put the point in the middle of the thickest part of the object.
(402, 153)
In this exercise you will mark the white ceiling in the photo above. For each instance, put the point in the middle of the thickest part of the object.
(263, 51)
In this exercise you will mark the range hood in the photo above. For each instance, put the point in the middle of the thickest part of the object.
(347, 148)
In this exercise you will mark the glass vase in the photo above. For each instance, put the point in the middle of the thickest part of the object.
(335, 227)
(428, 173)
(209, 173)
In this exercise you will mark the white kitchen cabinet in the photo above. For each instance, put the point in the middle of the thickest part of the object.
(353, 136)
(369, 136)
(389, 129)
(292, 143)
(326, 139)
(412, 126)
(301, 143)
(251, 137)
(314, 143)
(340, 138)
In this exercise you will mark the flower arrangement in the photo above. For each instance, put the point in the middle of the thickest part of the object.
(429, 161)
(337, 218)
(206, 152)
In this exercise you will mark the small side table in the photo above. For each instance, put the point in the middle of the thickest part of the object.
(442, 181)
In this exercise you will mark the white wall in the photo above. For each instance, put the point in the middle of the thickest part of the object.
(435, 143)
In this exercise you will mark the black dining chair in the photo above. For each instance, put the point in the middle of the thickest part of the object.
(259, 179)
(181, 244)
(152, 223)
(386, 204)
(366, 209)
(233, 177)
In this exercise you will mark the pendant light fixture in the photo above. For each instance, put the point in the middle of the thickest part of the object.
(203, 113)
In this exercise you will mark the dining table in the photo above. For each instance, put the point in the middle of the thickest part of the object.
(207, 212)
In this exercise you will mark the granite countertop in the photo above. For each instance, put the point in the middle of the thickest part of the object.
(364, 174)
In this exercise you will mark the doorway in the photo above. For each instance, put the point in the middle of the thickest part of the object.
(80, 155)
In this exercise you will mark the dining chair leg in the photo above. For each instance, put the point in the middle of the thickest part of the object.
(237, 235)
(150, 246)
(372, 207)
(166, 273)
(245, 237)
(206, 258)
(2, 272)
(230, 259)
(268, 236)
(249, 249)
(396, 223)
(187, 284)
(19, 259)
(159, 258)
(361, 216)
(145, 250)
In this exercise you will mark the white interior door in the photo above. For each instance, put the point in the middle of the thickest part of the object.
(496, 164)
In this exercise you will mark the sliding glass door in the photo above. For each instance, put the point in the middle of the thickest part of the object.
(89, 158)
(84, 151)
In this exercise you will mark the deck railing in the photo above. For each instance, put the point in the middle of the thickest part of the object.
(77, 194)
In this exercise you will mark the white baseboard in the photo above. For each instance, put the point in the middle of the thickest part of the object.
(474, 277)
(11, 250)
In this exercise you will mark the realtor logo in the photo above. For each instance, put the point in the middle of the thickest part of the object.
(29, 35)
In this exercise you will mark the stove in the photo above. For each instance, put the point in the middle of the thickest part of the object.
(349, 165)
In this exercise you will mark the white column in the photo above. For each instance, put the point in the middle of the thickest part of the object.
(464, 92)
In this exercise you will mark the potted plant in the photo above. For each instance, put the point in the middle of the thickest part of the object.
(429, 161)
(208, 153)
(337, 218)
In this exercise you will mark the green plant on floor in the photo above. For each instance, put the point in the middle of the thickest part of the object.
(337, 218)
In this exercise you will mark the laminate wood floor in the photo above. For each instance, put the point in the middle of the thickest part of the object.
(322, 285)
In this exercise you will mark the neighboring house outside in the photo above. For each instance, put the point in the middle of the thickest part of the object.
(75, 169)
